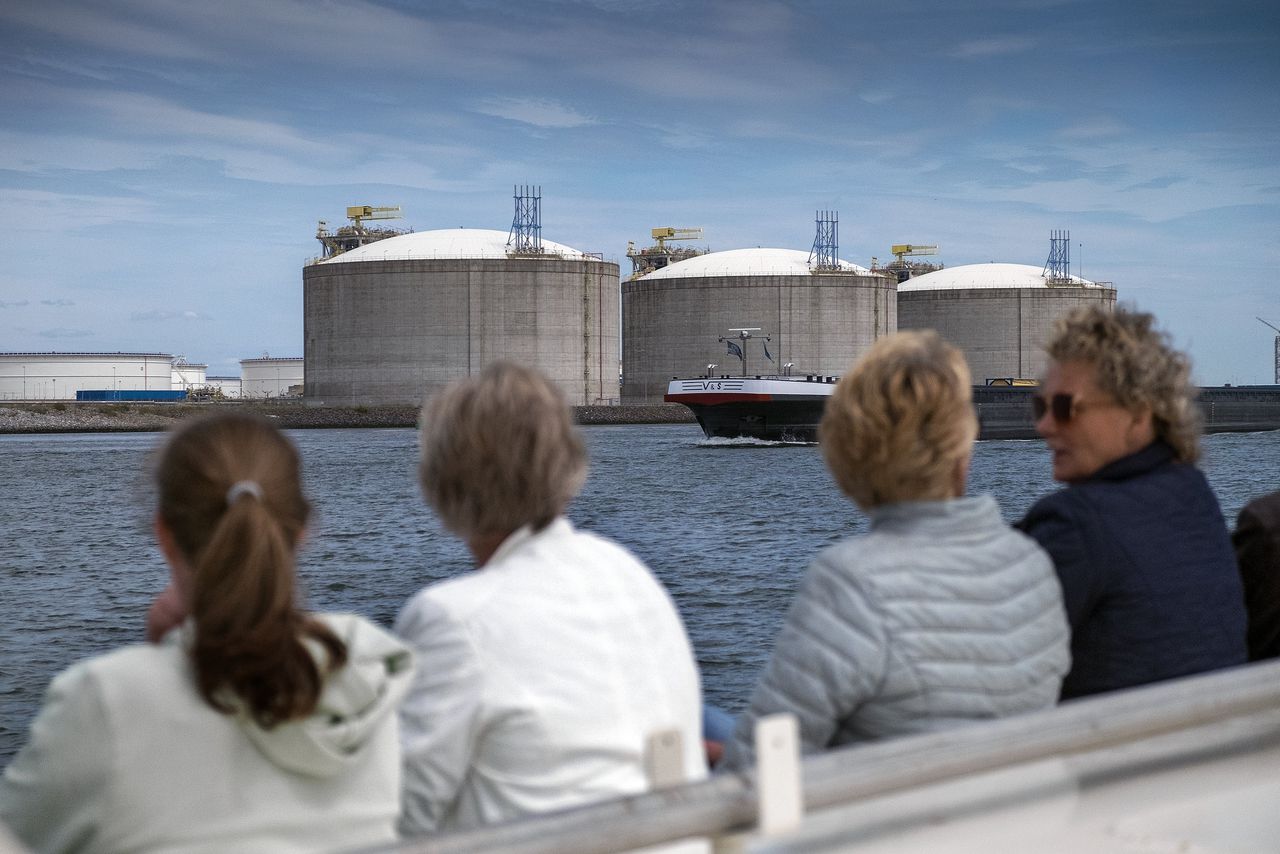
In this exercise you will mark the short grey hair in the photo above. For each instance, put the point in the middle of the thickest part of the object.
(499, 451)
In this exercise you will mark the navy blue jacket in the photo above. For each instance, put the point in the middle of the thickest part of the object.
(1148, 573)
(1257, 542)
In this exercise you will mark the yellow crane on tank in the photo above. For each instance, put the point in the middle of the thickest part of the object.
(902, 250)
(349, 237)
(360, 213)
(662, 235)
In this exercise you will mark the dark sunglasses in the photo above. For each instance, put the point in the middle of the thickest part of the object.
(1063, 406)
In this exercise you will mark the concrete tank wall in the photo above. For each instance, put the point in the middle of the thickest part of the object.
(395, 331)
(821, 323)
(1002, 331)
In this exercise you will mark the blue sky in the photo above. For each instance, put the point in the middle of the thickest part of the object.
(163, 163)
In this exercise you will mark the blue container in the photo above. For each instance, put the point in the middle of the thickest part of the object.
(154, 396)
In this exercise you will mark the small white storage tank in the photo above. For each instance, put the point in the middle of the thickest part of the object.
(229, 386)
(271, 377)
(1000, 315)
(188, 375)
(58, 376)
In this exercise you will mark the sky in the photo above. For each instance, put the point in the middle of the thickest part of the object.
(163, 163)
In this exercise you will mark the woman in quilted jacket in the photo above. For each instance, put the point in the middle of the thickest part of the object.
(942, 614)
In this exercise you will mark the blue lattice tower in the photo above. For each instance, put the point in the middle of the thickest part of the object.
(826, 242)
(1058, 267)
(526, 227)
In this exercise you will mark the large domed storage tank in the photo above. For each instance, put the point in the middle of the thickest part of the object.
(1000, 315)
(395, 320)
(818, 321)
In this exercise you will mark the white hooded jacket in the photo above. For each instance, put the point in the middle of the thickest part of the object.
(126, 756)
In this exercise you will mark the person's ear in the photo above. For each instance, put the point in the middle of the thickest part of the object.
(169, 548)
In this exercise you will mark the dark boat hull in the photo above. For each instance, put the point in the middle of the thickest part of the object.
(774, 421)
(1003, 413)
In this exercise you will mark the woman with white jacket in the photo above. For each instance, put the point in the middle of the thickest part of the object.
(251, 725)
(942, 614)
(543, 672)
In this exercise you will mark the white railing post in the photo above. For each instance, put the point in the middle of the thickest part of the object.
(664, 759)
(778, 774)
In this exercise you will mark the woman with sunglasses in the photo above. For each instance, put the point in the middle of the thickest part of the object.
(1137, 537)
(942, 614)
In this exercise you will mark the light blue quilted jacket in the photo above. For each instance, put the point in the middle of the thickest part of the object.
(941, 615)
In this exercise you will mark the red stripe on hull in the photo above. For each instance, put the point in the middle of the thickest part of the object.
(713, 399)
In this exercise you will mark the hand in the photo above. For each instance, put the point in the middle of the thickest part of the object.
(166, 612)
(713, 750)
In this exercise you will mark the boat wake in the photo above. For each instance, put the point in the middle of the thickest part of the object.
(750, 442)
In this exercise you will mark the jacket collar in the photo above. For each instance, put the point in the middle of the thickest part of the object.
(937, 517)
(519, 538)
(1140, 462)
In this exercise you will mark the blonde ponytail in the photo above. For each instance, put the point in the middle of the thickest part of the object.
(230, 492)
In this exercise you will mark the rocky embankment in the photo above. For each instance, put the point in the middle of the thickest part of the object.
(71, 417)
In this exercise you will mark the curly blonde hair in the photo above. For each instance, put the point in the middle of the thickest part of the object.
(899, 421)
(499, 451)
(1137, 365)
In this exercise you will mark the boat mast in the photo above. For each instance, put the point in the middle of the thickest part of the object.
(740, 350)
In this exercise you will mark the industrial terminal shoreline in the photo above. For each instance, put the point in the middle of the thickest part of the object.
(71, 417)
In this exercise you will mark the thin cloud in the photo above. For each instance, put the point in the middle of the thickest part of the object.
(539, 112)
(1095, 129)
(1161, 183)
(91, 24)
(876, 97)
(50, 68)
(55, 213)
(159, 315)
(147, 114)
(998, 46)
(64, 332)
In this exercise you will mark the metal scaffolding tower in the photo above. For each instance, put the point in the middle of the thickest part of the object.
(525, 237)
(1058, 267)
(825, 254)
(1277, 329)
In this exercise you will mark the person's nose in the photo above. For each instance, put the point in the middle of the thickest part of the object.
(1046, 424)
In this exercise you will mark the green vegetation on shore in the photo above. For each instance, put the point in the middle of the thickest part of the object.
(72, 417)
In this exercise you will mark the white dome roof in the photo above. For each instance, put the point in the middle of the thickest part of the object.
(745, 262)
(443, 243)
(983, 276)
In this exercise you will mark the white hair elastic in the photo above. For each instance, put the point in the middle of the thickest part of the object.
(243, 487)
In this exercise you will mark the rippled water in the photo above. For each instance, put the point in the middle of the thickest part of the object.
(727, 527)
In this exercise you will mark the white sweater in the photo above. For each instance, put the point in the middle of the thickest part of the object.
(539, 678)
(126, 756)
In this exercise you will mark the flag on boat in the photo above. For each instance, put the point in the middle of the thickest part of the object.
(765, 344)
(734, 349)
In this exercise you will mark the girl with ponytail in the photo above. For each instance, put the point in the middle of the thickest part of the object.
(250, 724)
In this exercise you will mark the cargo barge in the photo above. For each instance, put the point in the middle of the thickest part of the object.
(788, 408)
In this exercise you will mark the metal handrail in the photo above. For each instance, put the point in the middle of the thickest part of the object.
(728, 803)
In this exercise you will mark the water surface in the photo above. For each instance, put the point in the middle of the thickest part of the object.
(727, 527)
